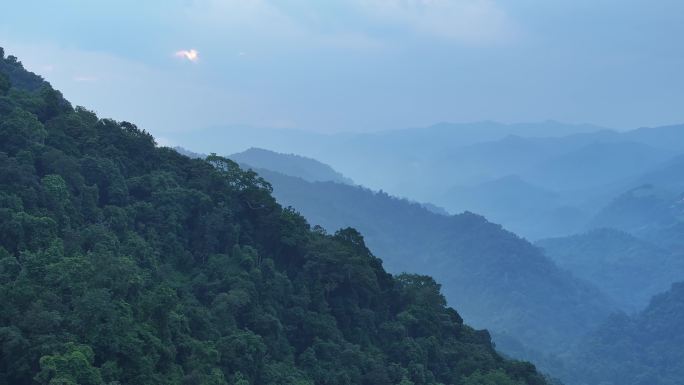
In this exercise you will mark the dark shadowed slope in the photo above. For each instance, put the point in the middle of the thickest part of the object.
(125, 263)
(494, 278)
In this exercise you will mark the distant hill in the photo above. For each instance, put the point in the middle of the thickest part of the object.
(566, 180)
(645, 349)
(188, 153)
(667, 176)
(496, 279)
(584, 166)
(317, 145)
(648, 212)
(290, 164)
(518, 205)
(667, 137)
(397, 161)
(597, 164)
(628, 269)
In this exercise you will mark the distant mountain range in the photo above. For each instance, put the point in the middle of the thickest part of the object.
(628, 269)
(649, 212)
(308, 169)
(534, 306)
(578, 169)
(606, 208)
(518, 204)
(497, 280)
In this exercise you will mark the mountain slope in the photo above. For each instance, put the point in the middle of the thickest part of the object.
(411, 140)
(583, 165)
(628, 269)
(290, 164)
(517, 204)
(20, 79)
(122, 262)
(669, 137)
(494, 278)
(642, 350)
(648, 212)
(597, 164)
(666, 176)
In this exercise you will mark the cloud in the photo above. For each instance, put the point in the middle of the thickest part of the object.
(467, 21)
(191, 55)
(164, 142)
(271, 25)
(351, 24)
(85, 78)
(259, 18)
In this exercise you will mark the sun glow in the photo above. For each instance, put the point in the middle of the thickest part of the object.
(191, 55)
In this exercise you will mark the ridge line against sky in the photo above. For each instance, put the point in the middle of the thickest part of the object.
(357, 65)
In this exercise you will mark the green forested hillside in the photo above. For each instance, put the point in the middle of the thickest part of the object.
(125, 263)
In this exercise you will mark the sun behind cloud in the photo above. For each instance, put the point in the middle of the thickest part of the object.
(191, 55)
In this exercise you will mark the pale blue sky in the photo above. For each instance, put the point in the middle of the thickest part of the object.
(357, 65)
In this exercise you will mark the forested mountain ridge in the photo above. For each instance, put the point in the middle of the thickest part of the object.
(125, 263)
(651, 212)
(17, 76)
(645, 349)
(496, 279)
(290, 164)
(628, 269)
(582, 167)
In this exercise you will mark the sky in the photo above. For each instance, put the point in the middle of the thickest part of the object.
(174, 66)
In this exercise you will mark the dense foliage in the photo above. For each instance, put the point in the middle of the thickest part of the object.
(122, 262)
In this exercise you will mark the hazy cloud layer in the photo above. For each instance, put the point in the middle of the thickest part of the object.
(357, 64)
(470, 21)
